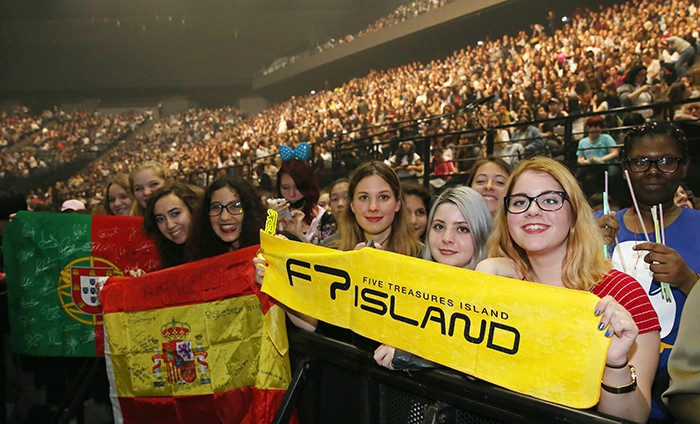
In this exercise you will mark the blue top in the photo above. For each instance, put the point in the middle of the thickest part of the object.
(682, 236)
(598, 148)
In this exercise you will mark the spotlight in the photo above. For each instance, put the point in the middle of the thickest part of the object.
(479, 43)
(565, 19)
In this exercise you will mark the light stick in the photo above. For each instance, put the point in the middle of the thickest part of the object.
(665, 287)
(606, 210)
(636, 205)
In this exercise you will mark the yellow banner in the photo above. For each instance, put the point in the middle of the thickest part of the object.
(534, 339)
(198, 349)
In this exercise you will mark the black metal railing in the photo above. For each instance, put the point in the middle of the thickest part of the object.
(340, 383)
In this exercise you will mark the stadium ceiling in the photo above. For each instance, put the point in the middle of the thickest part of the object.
(122, 44)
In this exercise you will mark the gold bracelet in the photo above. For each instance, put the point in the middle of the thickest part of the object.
(623, 389)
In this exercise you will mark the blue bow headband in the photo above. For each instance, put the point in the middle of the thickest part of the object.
(301, 152)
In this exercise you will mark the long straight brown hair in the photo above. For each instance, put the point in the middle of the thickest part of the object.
(402, 238)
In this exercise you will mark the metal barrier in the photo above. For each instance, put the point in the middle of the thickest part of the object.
(339, 383)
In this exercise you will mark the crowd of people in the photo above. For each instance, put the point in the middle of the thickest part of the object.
(519, 214)
(541, 228)
(597, 61)
(401, 14)
(57, 138)
(19, 123)
(532, 222)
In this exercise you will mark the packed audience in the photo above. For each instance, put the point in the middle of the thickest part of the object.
(18, 124)
(534, 221)
(401, 14)
(67, 137)
(580, 68)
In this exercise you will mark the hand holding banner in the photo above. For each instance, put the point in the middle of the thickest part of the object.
(531, 338)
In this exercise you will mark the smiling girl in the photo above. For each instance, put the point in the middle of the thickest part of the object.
(144, 180)
(168, 219)
(118, 200)
(376, 212)
(458, 228)
(230, 218)
(546, 234)
(488, 177)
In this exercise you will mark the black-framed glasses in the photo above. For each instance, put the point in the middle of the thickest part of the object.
(666, 164)
(233, 208)
(548, 201)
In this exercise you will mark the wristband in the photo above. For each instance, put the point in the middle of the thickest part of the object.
(616, 367)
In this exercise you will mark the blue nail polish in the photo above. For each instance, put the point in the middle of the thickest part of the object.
(608, 333)
(601, 326)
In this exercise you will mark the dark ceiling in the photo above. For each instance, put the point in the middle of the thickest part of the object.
(84, 45)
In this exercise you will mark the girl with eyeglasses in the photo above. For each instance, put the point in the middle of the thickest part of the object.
(545, 233)
(656, 157)
(230, 218)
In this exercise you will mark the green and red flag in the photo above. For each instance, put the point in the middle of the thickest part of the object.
(195, 343)
(53, 263)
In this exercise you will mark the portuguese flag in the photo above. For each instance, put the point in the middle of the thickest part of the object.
(53, 261)
(195, 343)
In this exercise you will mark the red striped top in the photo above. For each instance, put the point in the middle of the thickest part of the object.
(630, 294)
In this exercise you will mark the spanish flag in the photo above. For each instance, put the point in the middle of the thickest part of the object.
(195, 343)
(54, 263)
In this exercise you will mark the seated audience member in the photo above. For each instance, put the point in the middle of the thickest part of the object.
(597, 148)
(634, 90)
(546, 234)
(502, 148)
(553, 130)
(528, 135)
(406, 162)
(459, 225)
(655, 155)
(441, 167)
